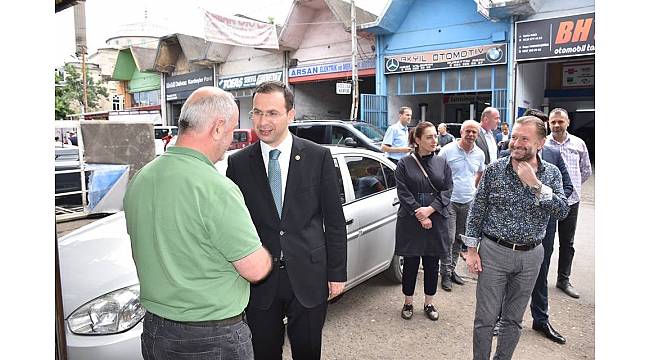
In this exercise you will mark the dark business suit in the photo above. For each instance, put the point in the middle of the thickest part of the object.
(481, 142)
(313, 256)
(539, 296)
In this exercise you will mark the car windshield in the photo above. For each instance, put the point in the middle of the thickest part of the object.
(371, 131)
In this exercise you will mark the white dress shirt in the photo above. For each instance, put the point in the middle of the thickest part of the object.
(285, 157)
(492, 145)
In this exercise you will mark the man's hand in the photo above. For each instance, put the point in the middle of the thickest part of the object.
(473, 261)
(336, 288)
(423, 213)
(406, 149)
(426, 223)
(526, 173)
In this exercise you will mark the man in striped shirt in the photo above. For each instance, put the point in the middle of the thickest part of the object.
(575, 156)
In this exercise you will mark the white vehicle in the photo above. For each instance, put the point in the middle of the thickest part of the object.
(100, 286)
(160, 132)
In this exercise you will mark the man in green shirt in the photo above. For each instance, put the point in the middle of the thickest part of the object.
(193, 241)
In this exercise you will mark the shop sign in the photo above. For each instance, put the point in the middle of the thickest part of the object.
(187, 83)
(330, 68)
(248, 81)
(343, 88)
(493, 54)
(555, 38)
(578, 75)
(467, 98)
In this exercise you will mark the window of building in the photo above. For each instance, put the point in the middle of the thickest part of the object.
(145, 98)
(118, 102)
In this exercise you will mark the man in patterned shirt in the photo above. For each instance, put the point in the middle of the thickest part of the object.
(515, 199)
(575, 156)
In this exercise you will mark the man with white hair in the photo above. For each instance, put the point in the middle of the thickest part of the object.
(466, 161)
(193, 241)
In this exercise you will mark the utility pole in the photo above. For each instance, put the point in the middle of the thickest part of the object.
(80, 41)
(355, 73)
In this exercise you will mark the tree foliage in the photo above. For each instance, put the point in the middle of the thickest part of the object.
(70, 91)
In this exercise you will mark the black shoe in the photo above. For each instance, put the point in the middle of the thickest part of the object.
(407, 312)
(431, 312)
(548, 331)
(495, 331)
(457, 279)
(446, 283)
(568, 289)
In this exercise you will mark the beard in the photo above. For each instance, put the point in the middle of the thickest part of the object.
(522, 153)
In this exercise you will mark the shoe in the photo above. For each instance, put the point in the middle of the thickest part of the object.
(431, 312)
(446, 283)
(568, 289)
(457, 279)
(548, 331)
(407, 311)
(497, 326)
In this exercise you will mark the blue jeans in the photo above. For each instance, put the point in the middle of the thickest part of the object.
(165, 339)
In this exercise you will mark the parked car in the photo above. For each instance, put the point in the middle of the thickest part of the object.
(242, 138)
(164, 134)
(339, 133)
(100, 287)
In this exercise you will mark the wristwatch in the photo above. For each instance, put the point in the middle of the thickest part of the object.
(537, 187)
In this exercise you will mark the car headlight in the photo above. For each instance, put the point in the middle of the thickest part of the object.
(111, 313)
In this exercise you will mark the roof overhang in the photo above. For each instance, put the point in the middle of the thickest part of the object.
(196, 50)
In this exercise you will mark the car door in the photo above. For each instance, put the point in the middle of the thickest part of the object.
(352, 226)
(372, 206)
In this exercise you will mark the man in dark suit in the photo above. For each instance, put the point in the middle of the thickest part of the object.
(539, 296)
(486, 141)
(291, 190)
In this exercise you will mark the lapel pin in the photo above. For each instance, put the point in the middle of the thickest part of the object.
(297, 157)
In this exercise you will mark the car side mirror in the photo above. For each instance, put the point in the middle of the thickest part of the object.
(350, 142)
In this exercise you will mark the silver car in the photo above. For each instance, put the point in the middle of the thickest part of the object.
(100, 285)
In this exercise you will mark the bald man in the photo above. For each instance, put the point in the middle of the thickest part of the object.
(193, 241)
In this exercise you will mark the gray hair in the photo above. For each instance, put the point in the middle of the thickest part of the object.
(564, 113)
(488, 110)
(467, 123)
(203, 105)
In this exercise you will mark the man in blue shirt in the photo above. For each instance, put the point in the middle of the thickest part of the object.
(396, 139)
(467, 163)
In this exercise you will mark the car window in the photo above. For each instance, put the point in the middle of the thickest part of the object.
(240, 136)
(315, 133)
(160, 133)
(339, 134)
(366, 175)
(389, 175)
(174, 131)
(374, 133)
(339, 181)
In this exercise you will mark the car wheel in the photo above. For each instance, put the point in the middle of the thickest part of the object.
(394, 271)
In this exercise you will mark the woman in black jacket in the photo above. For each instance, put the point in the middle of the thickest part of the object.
(422, 230)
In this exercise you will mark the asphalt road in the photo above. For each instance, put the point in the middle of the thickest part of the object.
(366, 322)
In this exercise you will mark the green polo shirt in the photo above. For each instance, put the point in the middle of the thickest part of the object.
(187, 224)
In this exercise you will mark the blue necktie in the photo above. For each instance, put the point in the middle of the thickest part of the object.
(275, 179)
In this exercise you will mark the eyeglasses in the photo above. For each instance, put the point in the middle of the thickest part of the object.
(258, 114)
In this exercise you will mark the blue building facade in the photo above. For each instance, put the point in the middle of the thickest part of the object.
(442, 58)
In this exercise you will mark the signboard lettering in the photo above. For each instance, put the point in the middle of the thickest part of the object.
(555, 38)
(330, 68)
(248, 81)
(493, 54)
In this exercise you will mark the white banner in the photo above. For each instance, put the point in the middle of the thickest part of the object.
(240, 31)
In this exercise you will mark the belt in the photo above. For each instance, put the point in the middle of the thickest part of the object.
(279, 262)
(513, 246)
(210, 323)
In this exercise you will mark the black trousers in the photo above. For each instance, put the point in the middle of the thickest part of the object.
(410, 274)
(566, 230)
(304, 326)
(539, 296)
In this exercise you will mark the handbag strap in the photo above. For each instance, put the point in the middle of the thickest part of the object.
(424, 171)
